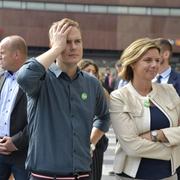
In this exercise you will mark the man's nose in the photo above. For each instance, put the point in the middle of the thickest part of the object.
(73, 45)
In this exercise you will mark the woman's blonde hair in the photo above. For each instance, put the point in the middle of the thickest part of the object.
(133, 53)
(63, 21)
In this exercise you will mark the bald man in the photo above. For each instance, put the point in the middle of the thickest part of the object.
(13, 115)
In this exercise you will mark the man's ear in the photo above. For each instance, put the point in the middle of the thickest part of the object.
(16, 54)
(166, 54)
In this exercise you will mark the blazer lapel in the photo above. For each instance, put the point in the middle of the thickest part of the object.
(172, 78)
(19, 95)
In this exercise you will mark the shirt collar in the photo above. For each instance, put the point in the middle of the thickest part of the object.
(166, 72)
(10, 74)
(56, 70)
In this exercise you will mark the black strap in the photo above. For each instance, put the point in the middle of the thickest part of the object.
(2, 80)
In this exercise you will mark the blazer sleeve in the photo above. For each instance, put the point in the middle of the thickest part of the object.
(20, 139)
(173, 107)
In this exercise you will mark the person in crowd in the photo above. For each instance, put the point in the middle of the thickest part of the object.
(13, 113)
(121, 82)
(118, 67)
(145, 117)
(166, 74)
(91, 67)
(62, 102)
(108, 80)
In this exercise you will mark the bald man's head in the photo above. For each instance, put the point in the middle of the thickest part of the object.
(13, 52)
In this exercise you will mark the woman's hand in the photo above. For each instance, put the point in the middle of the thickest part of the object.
(160, 136)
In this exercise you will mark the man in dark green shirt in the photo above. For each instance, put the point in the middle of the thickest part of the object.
(62, 102)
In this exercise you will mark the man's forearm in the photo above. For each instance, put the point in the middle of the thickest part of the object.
(96, 135)
(47, 58)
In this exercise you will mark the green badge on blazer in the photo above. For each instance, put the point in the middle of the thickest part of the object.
(84, 96)
(147, 103)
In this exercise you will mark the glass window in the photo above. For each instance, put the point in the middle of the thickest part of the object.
(55, 7)
(160, 11)
(12, 4)
(35, 5)
(98, 9)
(148, 11)
(175, 12)
(23, 5)
(75, 7)
(137, 10)
(86, 8)
(111, 9)
(117, 10)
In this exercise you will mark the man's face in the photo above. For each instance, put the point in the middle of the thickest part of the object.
(162, 58)
(6, 56)
(74, 49)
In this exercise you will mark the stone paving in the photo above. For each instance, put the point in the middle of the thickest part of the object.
(109, 156)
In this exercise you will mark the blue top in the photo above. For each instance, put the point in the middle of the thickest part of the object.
(60, 116)
(154, 169)
(8, 96)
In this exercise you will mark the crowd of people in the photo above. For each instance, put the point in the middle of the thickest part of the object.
(55, 110)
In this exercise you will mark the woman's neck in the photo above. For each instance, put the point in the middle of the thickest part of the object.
(143, 88)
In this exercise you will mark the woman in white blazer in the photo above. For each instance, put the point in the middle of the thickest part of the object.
(145, 118)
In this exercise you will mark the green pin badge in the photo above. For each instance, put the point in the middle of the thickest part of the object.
(84, 96)
(147, 103)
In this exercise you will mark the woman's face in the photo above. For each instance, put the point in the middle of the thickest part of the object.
(91, 70)
(147, 66)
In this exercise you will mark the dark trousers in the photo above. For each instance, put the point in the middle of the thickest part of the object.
(97, 159)
(97, 163)
(6, 168)
(178, 172)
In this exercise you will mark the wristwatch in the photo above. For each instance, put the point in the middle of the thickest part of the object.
(154, 136)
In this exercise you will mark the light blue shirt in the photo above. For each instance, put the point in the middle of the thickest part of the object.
(7, 101)
(165, 76)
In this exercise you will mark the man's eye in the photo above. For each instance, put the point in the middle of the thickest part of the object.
(157, 60)
(78, 41)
